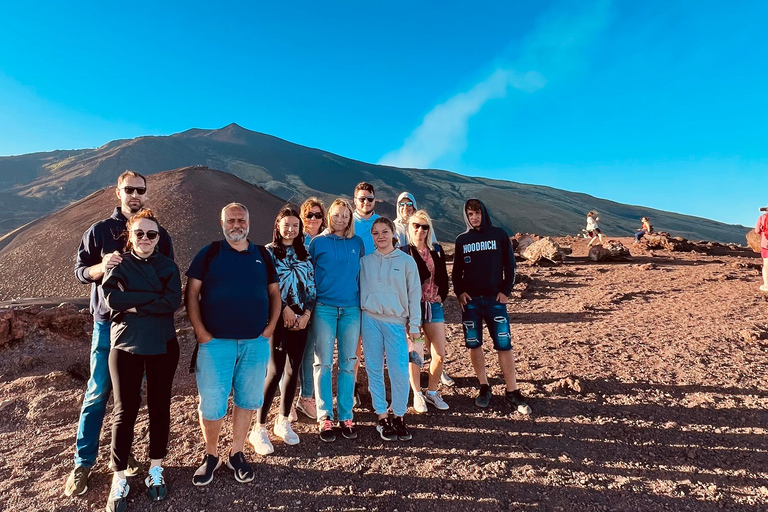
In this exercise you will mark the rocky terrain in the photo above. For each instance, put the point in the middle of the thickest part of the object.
(646, 377)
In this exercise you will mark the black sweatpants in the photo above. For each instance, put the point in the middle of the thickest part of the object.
(286, 349)
(127, 372)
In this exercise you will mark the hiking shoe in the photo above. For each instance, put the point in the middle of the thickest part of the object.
(134, 467)
(419, 403)
(307, 407)
(447, 380)
(77, 482)
(327, 434)
(348, 429)
(259, 439)
(284, 431)
(436, 399)
(117, 496)
(400, 429)
(483, 398)
(157, 490)
(243, 471)
(204, 474)
(516, 401)
(386, 430)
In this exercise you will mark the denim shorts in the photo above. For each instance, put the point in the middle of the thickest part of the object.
(494, 314)
(437, 313)
(231, 366)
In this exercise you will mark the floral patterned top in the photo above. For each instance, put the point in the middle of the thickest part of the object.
(429, 290)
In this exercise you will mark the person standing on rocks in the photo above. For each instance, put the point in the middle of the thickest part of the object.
(142, 292)
(233, 302)
(296, 278)
(99, 252)
(761, 228)
(483, 276)
(593, 230)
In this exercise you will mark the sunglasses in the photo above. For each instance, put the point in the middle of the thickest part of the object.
(364, 199)
(131, 190)
(150, 235)
(314, 215)
(409, 203)
(423, 227)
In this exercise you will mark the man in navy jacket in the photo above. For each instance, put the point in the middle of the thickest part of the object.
(99, 251)
(483, 276)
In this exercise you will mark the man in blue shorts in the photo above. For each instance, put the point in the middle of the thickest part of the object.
(483, 276)
(233, 302)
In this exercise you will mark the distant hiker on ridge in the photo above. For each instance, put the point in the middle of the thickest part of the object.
(99, 252)
(233, 303)
(761, 228)
(483, 276)
(593, 230)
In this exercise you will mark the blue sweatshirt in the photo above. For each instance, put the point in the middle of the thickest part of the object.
(337, 269)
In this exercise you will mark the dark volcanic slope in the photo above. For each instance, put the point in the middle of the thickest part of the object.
(37, 260)
(43, 182)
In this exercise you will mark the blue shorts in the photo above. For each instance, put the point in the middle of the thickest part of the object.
(494, 314)
(227, 366)
(437, 313)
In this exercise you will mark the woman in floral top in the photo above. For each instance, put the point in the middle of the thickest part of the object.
(296, 277)
(434, 289)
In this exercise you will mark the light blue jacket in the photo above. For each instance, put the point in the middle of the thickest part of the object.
(363, 230)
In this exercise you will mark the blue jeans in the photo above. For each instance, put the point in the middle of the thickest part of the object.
(380, 340)
(224, 366)
(306, 384)
(495, 316)
(95, 399)
(330, 323)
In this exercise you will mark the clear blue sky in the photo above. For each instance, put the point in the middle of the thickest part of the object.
(659, 103)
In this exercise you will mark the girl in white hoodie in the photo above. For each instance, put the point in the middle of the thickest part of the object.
(390, 299)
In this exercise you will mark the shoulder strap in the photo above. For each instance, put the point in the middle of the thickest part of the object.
(213, 250)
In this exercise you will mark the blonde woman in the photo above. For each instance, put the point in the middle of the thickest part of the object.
(336, 256)
(593, 230)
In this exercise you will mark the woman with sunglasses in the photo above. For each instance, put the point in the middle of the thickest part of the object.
(430, 260)
(142, 293)
(313, 216)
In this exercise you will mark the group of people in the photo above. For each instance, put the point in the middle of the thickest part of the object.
(593, 231)
(331, 284)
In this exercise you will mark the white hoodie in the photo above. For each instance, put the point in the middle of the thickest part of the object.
(390, 288)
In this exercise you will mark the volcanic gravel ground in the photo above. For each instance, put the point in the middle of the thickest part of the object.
(646, 379)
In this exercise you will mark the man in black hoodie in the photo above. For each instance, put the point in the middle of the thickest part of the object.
(99, 251)
(483, 276)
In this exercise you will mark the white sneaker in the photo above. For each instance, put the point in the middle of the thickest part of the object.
(419, 403)
(117, 495)
(447, 380)
(437, 400)
(259, 438)
(284, 431)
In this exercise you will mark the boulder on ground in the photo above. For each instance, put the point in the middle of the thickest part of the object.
(612, 250)
(523, 242)
(662, 240)
(753, 240)
(544, 251)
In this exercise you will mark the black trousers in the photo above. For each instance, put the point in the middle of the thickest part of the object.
(127, 372)
(286, 349)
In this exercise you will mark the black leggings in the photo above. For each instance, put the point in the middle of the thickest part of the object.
(286, 352)
(127, 372)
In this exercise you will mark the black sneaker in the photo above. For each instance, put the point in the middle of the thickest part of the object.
(243, 471)
(157, 489)
(400, 429)
(134, 468)
(386, 430)
(484, 396)
(204, 474)
(77, 482)
(516, 401)
(347, 428)
(327, 434)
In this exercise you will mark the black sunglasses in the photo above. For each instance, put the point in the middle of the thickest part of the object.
(364, 199)
(409, 203)
(314, 215)
(131, 190)
(424, 227)
(151, 235)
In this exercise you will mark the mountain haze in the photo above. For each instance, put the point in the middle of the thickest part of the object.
(36, 184)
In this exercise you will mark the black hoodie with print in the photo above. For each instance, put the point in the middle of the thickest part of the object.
(484, 264)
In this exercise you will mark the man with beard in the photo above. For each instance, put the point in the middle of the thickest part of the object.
(233, 302)
(99, 251)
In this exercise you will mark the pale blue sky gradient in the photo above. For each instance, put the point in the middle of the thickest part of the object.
(658, 103)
